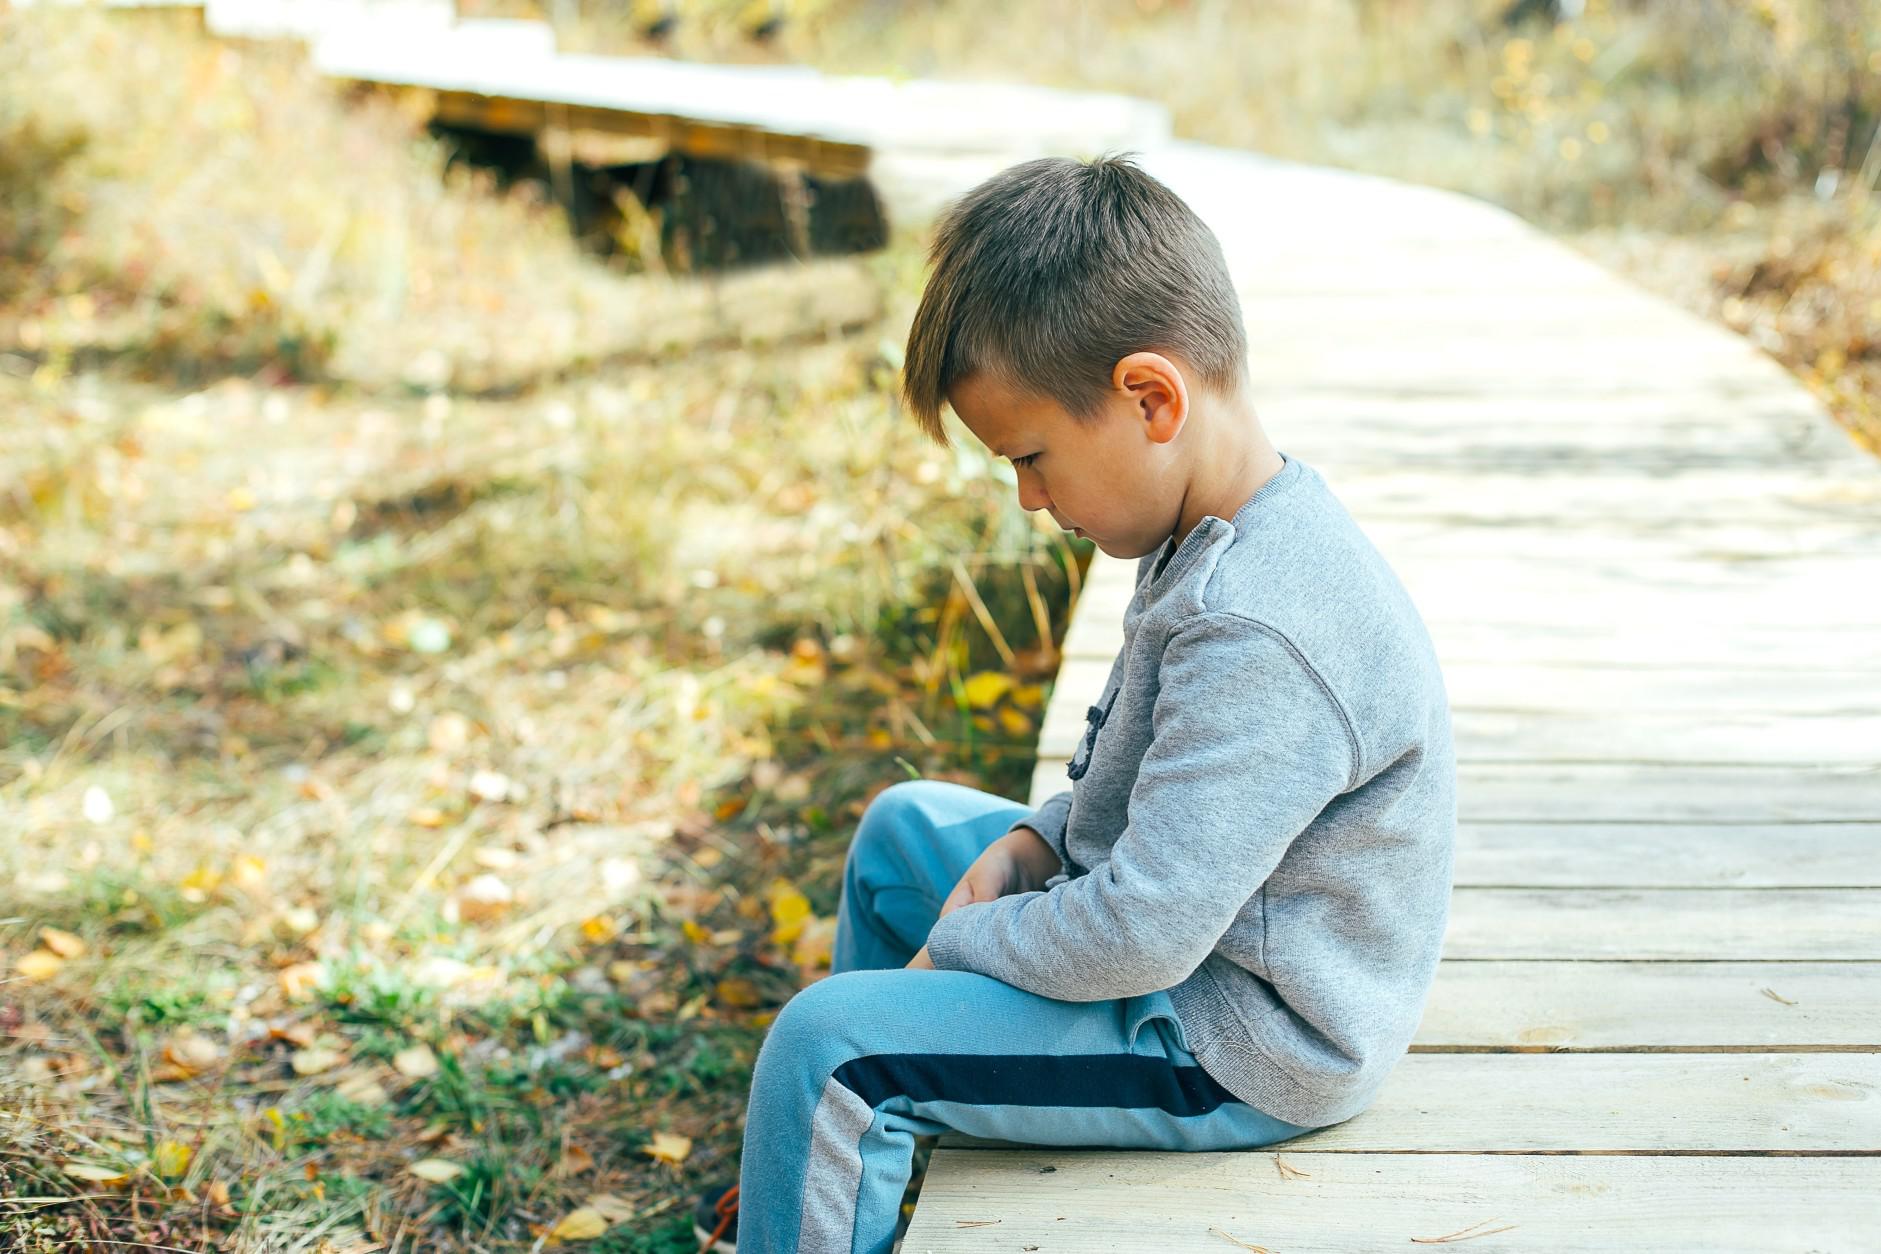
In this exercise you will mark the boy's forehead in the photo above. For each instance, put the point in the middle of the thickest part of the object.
(995, 411)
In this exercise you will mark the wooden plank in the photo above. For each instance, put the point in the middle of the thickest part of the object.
(1652, 1006)
(1606, 1103)
(1609, 792)
(1618, 792)
(1668, 855)
(1621, 691)
(1671, 738)
(1685, 924)
(1059, 1201)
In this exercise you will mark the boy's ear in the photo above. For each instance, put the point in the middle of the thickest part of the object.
(1156, 390)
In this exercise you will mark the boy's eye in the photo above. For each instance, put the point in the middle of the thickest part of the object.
(1027, 460)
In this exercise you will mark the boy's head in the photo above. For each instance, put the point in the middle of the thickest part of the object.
(1078, 317)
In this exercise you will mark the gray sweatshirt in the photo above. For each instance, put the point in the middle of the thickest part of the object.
(1263, 813)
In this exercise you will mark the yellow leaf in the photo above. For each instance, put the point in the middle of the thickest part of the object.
(41, 964)
(1014, 721)
(249, 871)
(694, 933)
(416, 1062)
(790, 910)
(171, 1159)
(738, 991)
(1029, 696)
(198, 884)
(277, 1125)
(61, 943)
(599, 929)
(428, 816)
(986, 688)
(669, 1147)
(584, 1224)
(815, 948)
(575, 1160)
(96, 1173)
(436, 1170)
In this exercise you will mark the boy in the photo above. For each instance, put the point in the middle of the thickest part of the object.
(1222, 935)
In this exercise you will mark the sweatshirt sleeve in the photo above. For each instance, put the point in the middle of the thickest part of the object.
(1247, 747)
(1049, 821)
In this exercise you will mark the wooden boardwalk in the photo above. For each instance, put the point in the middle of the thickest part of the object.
(1652, 568)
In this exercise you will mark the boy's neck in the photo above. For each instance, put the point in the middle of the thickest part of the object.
(1231, 464)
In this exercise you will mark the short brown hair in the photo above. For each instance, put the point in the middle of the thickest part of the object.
(1049, 272)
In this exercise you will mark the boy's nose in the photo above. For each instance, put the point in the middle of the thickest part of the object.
(1032, 495)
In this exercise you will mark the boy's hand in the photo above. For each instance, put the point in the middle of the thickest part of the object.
(921, 962)
(1018, 862)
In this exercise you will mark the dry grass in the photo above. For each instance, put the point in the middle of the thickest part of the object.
(469, 676)
(346, 717)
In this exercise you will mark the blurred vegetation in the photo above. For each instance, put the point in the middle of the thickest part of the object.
(429, 738)
(1723, 152)
(433, 710)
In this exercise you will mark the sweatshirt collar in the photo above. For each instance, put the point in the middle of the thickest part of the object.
(1200, 535)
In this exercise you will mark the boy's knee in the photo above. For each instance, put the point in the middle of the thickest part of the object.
(890, 813)
(813, 1026)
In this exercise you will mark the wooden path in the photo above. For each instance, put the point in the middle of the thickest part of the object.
(1652, 568)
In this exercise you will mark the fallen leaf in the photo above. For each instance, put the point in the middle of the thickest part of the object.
(984, 690)
(428, 816)
(484, 898)
(668, 1147)
(790, 910)
(448, 732)
(574, 1161)
(198, 884)
(361, 1089)
(171, 1159)
(738, 992)
(584, 1224)
(97, 1173)
(612, 1208)
(490, 785)
(415, 1062)
(816, 947)
(599, 929)
(299, 1035)
(436, 1170)
(299, 981)
(64, 944)
(315, 1059)
(191, 1051)
(41, 964)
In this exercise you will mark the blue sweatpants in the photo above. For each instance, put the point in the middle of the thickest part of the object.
(858, 1064)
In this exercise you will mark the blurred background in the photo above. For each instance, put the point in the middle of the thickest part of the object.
(463, 569)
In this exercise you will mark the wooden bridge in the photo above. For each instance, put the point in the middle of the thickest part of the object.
(1652, 568)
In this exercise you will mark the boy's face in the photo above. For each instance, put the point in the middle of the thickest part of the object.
(1111, 479)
